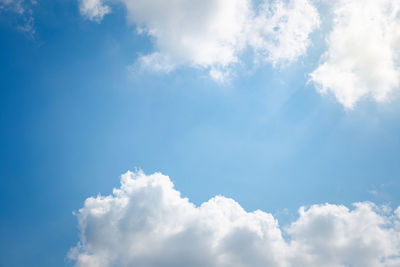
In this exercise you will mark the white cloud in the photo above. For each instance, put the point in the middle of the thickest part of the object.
(212, 34)
(93, 9)
(331, 235)
(281, 30)
(147, 223)
(362, 58)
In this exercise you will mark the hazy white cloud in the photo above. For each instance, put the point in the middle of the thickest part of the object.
(93, 9)
(362, 58)
(23, 8)
(156, 62)
(147, 223)
(12, 5)
(212, 34)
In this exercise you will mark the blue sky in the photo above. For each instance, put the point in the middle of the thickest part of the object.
(79, 108)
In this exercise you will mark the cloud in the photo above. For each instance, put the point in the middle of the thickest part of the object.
(363, 45)
(13, 5)
(93, 9)
(23, 8)
(362, 57)
(156, 62)
(280, 31)
(147, 223)
(213, 34)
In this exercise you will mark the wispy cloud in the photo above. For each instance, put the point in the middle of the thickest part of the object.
(146, 222)
(23, 9)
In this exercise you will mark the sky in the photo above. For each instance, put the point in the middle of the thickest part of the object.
(199, 133)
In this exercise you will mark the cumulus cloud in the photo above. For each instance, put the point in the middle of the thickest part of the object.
(362, 58)
(212, 34)
(146, 222)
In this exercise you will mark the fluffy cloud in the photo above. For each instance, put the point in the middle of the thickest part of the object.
(362, 58)
(212, 34)
(147, 223)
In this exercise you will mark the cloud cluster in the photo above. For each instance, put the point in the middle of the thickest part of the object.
(147, 223)
(212, 34)
(362, 58)
(363, 46)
